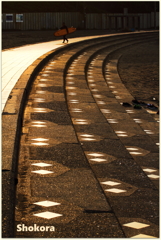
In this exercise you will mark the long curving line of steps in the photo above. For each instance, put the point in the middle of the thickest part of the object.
(134, 139)
(76, 171)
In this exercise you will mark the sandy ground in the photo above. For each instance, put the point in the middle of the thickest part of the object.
(138, 66)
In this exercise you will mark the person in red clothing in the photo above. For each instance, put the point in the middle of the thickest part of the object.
(64, 37)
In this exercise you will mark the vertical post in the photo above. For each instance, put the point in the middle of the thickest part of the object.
(14, 21)
(101, 16)
(155, 15)
(116, 23)
(126, 17)
(138, 23)
(122, 22)
(109, 23)
(128, 21)
(133, 22)
(84, 17)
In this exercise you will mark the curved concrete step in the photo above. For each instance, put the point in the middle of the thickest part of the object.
(48, 137)
(93, 133)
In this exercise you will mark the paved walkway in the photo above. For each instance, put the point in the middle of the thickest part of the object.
(16, 60)
(107, 135)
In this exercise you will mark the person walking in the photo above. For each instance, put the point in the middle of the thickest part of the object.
(64, 36)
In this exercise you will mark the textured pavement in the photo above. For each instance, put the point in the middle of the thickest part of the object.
(16, 60)
(97, 173)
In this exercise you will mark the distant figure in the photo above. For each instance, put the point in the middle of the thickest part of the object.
(64, 37)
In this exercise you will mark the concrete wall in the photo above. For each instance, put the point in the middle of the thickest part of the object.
(40, 21)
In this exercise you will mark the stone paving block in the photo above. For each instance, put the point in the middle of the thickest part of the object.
(86, 107)
(156, 138)
(112, 147)
(70, 155)
(116, 171)
(128, 126)
(58, 117)
(141, 141)
(8, 163)
(46, 97)
(53, 132)
(83, 99)
(90, 118)
(53, 78)
(144, 116)
(153, 126)
(137, 201)
(101, 129)
(77, 186)
(119, 116)
(57, 88)
(150, 160)
(22, 82)
(14, 102)
(55, 105)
